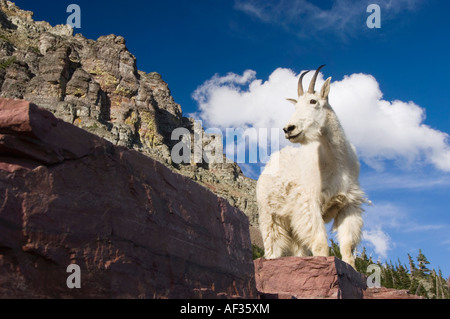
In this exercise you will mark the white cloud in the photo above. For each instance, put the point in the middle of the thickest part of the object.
(386, 130)
(384, 215)
(379, 240)
(243, 101)
(381, 130)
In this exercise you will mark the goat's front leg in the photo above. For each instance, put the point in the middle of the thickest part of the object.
(308, 226)
(276, 238)
(348, 224)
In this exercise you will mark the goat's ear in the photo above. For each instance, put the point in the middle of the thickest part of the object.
(325, 88)
(292, 101)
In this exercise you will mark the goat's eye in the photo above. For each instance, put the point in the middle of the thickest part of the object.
(313, 102)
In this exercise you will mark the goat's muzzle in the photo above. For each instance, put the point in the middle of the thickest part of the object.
(289, 128)
(291, 132)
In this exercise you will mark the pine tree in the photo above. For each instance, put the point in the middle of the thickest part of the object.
(433, 279)
(404, 280)
(362, 262)
(363, 255)
(443, 288)
(414, 286)
(335, 250)
(439, 288)
(421, 291)
(412, 266)
(386, 276)
(392, 273)
(422, 261)
(418, 281)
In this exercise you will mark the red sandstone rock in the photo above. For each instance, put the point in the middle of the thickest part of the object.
(31, 134)
(308, 278)
(136, 229)
(387, 293)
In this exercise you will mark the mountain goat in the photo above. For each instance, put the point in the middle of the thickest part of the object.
(302, 189)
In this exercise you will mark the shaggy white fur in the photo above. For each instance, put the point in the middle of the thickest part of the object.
(302, 189)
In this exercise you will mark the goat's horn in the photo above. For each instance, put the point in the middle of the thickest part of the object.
(300, 86)
(313, 80)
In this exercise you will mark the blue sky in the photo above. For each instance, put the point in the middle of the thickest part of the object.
(244, 49)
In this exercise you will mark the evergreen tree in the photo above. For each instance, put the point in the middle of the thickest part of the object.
(257, 252)
(404, 280)
(443, 289)
(418, 280)
(335, 250)
(386, 277)
(390, 278)
(413, 288)
(433, 279)
(439, 288)
(422, 262)
(362, 262)
(363, 255)
(412, 266)
(421, 291)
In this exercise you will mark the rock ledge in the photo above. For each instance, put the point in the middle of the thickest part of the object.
(135, 228)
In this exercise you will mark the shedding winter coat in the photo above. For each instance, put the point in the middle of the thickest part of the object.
(303, 188)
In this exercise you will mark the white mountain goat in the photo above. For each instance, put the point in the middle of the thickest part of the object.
(302, 189)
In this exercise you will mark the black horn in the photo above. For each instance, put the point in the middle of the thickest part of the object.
(313, 80)
(300, 86)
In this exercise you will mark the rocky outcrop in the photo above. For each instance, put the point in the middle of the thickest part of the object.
(316, 278)
(308, 278)
(388, 293)
(96, 85)
(135, 228)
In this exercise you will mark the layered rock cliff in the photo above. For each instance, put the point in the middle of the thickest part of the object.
(96, 86)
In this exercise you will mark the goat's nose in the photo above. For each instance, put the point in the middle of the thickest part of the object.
(289, 128)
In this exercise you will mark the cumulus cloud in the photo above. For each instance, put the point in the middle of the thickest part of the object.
(245, 101)
(381, 130)
(378, 240)
(386, 129)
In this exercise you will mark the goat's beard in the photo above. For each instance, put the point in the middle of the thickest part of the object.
(299, 139)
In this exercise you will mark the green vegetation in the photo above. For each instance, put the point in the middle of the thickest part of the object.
(4, 37)
(418, 280)
(6, 63)
(35, 50)
(258, 252)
